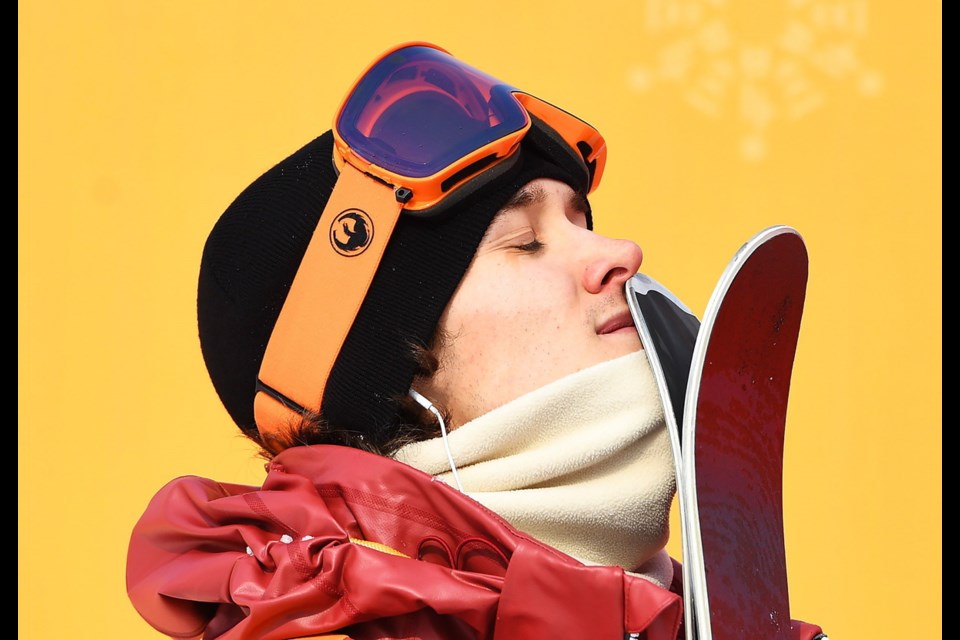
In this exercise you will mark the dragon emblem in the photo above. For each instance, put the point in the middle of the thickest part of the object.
(351, 232)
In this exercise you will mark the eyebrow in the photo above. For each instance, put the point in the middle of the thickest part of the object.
(532, 194)
(526, 196)
(535, 194)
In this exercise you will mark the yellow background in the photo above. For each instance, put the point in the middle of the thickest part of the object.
(140, 121)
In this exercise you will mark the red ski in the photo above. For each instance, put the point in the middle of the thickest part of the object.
(729, 445)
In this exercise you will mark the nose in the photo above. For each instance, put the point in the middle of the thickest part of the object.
(611, 263)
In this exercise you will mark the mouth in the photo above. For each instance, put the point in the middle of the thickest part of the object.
(620, 322)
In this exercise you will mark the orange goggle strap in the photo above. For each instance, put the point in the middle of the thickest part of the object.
(346, 248)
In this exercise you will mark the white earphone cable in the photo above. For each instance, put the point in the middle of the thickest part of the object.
(426, 404)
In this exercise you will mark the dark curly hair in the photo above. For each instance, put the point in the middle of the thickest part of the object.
(416, 423)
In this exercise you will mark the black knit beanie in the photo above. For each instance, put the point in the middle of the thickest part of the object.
(253, 252)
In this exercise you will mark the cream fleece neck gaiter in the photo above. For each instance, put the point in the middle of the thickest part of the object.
(583, 464)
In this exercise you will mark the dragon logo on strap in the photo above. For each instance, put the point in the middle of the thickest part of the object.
(351, 232)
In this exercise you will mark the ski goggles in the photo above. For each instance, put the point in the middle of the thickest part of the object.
(417, 132)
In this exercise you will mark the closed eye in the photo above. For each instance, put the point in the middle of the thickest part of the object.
(531, 247)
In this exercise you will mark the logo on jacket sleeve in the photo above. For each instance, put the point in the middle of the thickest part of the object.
(351, 232)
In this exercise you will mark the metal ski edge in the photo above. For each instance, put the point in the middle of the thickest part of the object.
(642, 284)
(691, 515)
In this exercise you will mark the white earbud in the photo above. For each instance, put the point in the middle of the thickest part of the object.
(426, 404)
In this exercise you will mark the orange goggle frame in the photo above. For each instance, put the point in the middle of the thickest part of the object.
(417, 128)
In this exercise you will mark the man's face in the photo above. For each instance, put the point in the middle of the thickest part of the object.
(543, 298)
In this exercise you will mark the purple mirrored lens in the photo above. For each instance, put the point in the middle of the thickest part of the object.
(419, 110)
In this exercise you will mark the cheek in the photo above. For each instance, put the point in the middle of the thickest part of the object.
(507, 335)
(498, 306)
(493, 323)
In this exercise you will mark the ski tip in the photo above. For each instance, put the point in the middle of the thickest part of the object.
(773, 231)
(766, 236)
(642, 284)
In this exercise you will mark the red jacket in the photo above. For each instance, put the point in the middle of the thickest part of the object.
(340, 540)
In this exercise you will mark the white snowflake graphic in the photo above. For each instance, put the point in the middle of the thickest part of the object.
(723, 63)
